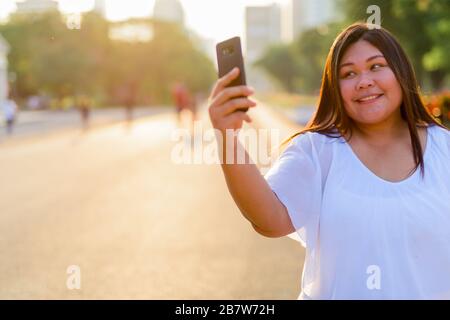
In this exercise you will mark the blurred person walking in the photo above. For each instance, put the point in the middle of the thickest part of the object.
(10, 112)
(84, 106)
(130, 99)
(185, 105)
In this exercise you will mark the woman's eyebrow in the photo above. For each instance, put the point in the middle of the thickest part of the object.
(368, 59)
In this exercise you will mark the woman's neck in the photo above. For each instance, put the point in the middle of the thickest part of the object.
(382, 134)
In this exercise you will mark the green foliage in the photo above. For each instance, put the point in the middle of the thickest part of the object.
(172, 57)
(280, 62)
(49, 58)
(298, 67)
(311, 50)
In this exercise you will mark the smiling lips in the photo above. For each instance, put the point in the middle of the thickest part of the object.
(369, 99)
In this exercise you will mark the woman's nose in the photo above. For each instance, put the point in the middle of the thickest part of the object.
(364, 82)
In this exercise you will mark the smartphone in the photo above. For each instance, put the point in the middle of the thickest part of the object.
(229, 55)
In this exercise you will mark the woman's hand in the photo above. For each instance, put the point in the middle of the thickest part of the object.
(224, 101)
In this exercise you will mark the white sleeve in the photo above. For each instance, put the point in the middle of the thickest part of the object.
(444, 138)
(447, 138)
(296, 179)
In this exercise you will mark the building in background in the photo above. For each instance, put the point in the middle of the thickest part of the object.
(4, 88)
(262, 29)
(169, 10)
(36, 6)
(100, 7)
(306, 14)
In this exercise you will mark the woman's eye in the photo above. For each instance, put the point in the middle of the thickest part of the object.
(348, 74)
(377, 66)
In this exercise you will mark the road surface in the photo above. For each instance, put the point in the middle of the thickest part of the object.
(48, 121)
(138, 226)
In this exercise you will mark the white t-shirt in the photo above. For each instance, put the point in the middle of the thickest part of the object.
(366, 237)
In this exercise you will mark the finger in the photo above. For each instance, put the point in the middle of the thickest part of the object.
(224, 81)
(233, 92)
(233, 120)
(237, 117)
(234, 104)
(247, 117)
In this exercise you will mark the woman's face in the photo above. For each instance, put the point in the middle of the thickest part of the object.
(369, 88)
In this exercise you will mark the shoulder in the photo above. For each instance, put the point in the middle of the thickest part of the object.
(440, 133)
(311, 147)
(439, 140)
(314, 141)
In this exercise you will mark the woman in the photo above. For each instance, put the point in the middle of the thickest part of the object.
(374, 227)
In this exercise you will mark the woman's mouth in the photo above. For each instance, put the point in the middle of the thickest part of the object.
(369, 99)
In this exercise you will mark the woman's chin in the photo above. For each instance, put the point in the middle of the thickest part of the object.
(372, 114)
(371, 119)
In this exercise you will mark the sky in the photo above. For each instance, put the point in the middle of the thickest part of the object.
(213, 19)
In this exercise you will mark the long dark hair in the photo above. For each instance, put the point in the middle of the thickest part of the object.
(331, 118)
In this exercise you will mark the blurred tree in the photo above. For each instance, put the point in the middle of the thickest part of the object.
(157, 64)
(298, 67)
(19, 32)
(311, 49)
(50, 58)
(436, 60)
(175, 58)
(280, 62)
